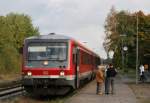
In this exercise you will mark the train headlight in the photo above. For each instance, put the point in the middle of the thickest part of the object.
(62, 73)
(45, 63)
(29, 73)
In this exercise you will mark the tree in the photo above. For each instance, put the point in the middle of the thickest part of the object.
(124, 23)
(20, 27)
(14, 29)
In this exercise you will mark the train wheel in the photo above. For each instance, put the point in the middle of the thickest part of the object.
(28, 89)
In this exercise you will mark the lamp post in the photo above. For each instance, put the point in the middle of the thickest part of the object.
(137, 47)
(122, 50)
(137, 22)
(125, 48)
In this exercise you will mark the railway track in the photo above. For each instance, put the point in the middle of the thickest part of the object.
(10, 91)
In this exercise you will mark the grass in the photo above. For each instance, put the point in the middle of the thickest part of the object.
(128, 72)
(59, 100)
(10, 76)
(145, 100)
(141, 92)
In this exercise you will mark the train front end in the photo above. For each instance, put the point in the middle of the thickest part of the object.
(46, 67)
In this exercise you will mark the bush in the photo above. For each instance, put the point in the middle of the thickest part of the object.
(9, 59)
(14, 28)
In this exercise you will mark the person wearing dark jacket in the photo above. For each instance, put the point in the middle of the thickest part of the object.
(110, 74)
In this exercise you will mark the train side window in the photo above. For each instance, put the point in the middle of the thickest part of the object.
(74, 55)
(78, 56)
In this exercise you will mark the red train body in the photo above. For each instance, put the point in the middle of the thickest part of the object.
(54, 64)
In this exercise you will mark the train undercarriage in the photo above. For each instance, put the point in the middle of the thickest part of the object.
(48, 86)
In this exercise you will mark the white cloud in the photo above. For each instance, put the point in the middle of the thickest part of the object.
(81, 19)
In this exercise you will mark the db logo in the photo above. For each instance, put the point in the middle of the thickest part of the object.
(45, 72)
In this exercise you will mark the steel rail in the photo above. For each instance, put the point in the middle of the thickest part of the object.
(11, 91)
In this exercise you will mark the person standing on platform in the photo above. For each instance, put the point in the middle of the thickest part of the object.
(142, 74)
(99, 80)
(110, 75)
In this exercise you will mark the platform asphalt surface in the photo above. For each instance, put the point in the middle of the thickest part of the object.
(88, 94)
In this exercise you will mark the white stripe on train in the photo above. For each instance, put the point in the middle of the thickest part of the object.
(67, 77)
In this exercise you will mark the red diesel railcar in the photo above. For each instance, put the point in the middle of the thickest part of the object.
(54, 64)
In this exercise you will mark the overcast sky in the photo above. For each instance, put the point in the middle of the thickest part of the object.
(80, 19)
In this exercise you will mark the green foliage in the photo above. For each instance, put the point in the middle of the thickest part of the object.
(9, 58)
(20, 27)
(125, 23)
(14, 28)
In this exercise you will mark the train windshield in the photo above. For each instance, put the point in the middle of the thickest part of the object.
(47, 51)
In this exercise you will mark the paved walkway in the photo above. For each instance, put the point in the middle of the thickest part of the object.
(87, 94)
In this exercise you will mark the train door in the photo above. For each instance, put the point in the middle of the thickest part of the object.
(93, 67)
(77, 66)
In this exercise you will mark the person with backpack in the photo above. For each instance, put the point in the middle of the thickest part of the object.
(110, 75)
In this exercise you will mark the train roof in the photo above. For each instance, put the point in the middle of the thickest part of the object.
(58, 36)
(50, 36)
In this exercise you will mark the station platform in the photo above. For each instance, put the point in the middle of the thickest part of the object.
(87, 94)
